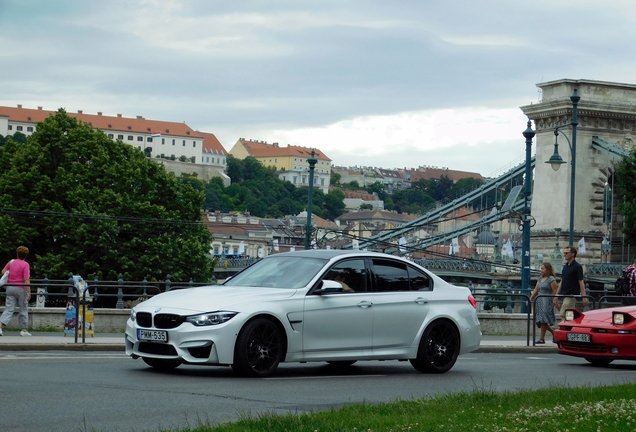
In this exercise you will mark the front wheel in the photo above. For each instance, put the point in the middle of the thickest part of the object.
(259, 349)
(439, 348)
(161, 364)
(599, 362)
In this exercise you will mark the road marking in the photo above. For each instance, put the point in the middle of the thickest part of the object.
(537, 358)
(63, 357)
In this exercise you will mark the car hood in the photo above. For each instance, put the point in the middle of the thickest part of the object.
(211, 298)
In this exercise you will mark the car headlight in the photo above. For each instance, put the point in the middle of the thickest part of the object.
(618, 318)
(569, 315)
(133, 315)
(211, 318)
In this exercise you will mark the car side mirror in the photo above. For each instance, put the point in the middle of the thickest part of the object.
(329, 287)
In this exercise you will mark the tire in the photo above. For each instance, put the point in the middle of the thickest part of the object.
(161, 364)
(439, 348)
(258, 349)
(341, 363)
(599, 362)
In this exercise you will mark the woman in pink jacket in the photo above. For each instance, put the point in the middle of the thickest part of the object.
(19, 273)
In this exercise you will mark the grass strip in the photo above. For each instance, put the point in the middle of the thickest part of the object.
(571, 409)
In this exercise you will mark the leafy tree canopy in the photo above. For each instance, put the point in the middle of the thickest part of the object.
(257, 189)
(86, 204)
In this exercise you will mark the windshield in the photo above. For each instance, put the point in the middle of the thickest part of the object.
(279, 271)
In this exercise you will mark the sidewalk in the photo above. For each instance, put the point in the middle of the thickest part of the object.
(57, 341)
(48, 341)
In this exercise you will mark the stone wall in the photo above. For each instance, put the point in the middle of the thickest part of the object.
(114, 321)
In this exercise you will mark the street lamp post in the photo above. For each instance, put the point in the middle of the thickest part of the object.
(556, 161)
(525, 240)
(312, 164)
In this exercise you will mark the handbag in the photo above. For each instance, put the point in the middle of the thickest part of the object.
(4, 278)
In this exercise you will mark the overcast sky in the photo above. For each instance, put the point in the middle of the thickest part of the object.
(384, 83)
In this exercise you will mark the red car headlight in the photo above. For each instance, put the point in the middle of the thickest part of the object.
(618, 318)
(621, 318)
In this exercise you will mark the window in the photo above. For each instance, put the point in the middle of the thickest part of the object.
(29, 128)
(420, 281)
(130, 137)
(149, 139)
(10, 127)
(111, 136)
(391, 276)
(121, 137)
(140, 138)
(183, 143)
(163, 140)
(173, 141)
(194, 143)
(19, 128)
(351, 274)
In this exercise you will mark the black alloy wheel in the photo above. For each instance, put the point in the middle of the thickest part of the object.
(438, 348)
(258, 349)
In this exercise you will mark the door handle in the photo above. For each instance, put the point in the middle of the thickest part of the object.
(421, 300)
(365, 304)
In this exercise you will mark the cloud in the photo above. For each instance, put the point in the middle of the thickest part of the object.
(369, 82)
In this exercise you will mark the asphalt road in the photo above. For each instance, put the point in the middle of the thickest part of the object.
(104, 391)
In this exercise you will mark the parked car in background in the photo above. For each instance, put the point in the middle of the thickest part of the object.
(329, 306)
(599, 336)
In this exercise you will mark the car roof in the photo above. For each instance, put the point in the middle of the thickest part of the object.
(333, 253)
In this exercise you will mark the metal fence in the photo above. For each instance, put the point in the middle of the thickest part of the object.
(106, 294)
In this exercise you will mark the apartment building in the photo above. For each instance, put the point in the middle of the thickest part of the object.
(163, 139)
(290, 161)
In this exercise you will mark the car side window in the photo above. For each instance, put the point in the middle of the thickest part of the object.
(391, 276)
(420, 281)
(351, 274)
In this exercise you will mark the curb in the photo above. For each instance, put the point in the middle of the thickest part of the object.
(62, 347)
(516, 349)
(490, 349)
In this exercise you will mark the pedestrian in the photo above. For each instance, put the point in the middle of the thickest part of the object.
(571, 282)
(544, 307)
(629, 299)
(19, 273)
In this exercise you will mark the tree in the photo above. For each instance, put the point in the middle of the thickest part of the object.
(334, 180)
(334, 204)
(234, 169)
(89, 205)
(625, 174)
(18, 137)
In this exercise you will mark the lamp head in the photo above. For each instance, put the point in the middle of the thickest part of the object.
(555, 160)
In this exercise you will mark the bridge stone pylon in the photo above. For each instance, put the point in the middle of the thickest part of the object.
(607, 118)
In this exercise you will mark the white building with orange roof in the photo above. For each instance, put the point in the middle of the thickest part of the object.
(163, 139)
(290, 161)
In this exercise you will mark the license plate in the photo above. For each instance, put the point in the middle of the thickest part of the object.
(152, 335)
(579, 337)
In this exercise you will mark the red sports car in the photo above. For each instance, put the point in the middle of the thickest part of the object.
(599, 336)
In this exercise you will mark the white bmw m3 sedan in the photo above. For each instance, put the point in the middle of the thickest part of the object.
(330, 306)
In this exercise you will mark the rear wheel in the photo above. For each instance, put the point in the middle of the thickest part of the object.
(161, 364)
(259, 349)
(438, 348)
(599, 362)
(341, 363)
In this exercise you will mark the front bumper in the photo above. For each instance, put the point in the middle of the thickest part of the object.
(211, 345)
